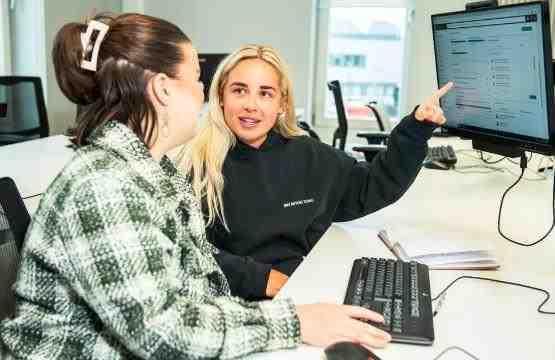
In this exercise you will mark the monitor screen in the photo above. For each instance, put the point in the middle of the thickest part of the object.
(500, 62)
(208, 65)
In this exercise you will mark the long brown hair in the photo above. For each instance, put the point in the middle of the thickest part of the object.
(135, 48)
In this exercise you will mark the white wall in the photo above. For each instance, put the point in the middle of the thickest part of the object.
(222, 26)
(61, 112)
(421, 59)
(28, 55)
(181, 13)
(133, 6)
(5, 59)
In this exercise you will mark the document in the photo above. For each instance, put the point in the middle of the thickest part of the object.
(438, 251)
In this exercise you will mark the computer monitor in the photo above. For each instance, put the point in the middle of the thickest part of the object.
(208, 65)
(500, 61)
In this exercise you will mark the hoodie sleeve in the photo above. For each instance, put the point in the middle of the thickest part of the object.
(372, 186)
(247, 277)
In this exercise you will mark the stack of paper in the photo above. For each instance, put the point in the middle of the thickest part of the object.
(438, 251)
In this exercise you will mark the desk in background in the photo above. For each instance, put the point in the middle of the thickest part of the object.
(34, 164)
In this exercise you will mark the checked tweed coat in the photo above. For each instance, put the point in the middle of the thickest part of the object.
(116, 265)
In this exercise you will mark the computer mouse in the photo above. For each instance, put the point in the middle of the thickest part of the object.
(436, 165)
(346, 350)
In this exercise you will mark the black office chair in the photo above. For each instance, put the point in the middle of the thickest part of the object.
(377, 140)
(376, 137)
(14, 221)
(304, 125)
(22, 109)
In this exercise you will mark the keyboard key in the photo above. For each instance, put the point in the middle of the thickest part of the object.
(397, 316)
(442, 154)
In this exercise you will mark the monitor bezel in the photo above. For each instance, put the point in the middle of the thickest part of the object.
(522, 142)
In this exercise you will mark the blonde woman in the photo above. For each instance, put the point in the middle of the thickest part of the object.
(271, 192)
(116, 264)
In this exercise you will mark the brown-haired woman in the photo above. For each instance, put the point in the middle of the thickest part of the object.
(116, 264)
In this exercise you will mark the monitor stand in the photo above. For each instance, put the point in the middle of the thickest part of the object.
(497, 148)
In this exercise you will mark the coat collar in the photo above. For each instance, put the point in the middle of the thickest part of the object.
(120, 139)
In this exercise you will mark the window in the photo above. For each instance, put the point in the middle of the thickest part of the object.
(363, 43)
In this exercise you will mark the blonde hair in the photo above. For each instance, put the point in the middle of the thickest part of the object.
(203, 157)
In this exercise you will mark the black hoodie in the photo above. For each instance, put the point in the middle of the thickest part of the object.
(281, 198)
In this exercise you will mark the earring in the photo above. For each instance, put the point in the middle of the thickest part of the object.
(165, 130)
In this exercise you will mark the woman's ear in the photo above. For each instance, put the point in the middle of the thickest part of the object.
(158, 89)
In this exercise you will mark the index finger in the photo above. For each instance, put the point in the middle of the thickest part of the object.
(444, 89)
(362, 313)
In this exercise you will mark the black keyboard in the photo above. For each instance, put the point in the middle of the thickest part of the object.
(398, 290)
(444, 154)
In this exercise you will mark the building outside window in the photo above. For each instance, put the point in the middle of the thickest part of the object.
(364, 49)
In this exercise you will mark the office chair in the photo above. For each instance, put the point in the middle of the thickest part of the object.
(376, 137)
(304, 125)
(22, 109)
(377, 140)
(14, 221)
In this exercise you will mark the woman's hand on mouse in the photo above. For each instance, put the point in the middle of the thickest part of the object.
(325, 324)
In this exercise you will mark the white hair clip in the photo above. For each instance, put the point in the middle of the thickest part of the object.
(102, 29)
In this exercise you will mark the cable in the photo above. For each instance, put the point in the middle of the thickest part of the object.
(523, 165)
(541, 177)
(31, 196)
(491, 169)
(490, 162)
(480, 166)
(474, 172)
(544, 168)
(547, 295)
(456, 348)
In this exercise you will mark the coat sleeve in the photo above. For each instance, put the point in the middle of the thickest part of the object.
(124, 267)
(372, 186)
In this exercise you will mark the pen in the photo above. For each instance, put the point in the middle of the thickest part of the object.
(396, 248)
(382, 235)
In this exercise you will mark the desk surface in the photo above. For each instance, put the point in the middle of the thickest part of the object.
(34, 164)
(492, 321)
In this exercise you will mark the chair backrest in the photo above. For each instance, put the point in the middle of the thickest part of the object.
(340, 133)
(304, 125)
(372, 106)
(14, 221)
(22, 109)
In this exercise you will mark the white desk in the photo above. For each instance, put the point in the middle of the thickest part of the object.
(34, 164)
(492, 321)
